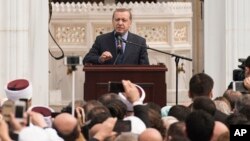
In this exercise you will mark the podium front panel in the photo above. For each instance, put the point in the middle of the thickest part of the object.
(150, 77)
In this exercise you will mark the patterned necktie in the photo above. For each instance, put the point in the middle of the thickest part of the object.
(119, 47)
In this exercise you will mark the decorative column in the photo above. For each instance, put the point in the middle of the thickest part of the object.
(14, 41)
(237, 33)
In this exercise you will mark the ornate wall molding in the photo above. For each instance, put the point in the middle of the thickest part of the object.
(169, 8)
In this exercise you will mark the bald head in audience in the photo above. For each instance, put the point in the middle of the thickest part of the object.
(150, 134)
(66, 126)
(127, 136)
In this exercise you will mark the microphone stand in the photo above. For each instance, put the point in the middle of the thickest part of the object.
(73, 69)
(71, 62)
(177, 59)
(119, 51)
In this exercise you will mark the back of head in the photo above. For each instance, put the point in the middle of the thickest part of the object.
(199, 126)
(78, 103)
(154, 106)
(96, 115)
(90, 105)
(176, 129)
(93, 113)
(232, 97)
(179, 111)
(150, 134)
(66, 126)
(127, 136)
(200, 84)
(117, 108)
(106, 98)
(243, 101)
(156, 121)
(98, 118)
(180, 138)
(204, 103)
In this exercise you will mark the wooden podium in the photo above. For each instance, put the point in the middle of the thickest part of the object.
(150, 77)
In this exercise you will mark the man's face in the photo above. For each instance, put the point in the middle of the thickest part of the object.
(121, 22)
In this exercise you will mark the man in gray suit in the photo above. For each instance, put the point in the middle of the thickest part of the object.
(109, 49)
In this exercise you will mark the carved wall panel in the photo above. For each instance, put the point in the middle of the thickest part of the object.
(154, 32)
(101, 29)
(67, 34)
(181, 32)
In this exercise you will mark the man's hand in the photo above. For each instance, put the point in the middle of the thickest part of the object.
(18, 125)
(80, 114)
(106, 55)
(37, 119)
(106, 129)
(4, 130)
(131, 92)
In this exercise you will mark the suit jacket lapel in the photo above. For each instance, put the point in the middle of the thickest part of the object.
(113, 44)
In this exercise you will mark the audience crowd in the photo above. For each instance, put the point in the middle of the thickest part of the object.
(113, 117)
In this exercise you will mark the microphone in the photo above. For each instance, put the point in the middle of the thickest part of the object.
(118, 37)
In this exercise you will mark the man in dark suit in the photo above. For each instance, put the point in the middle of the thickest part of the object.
(109, 49)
